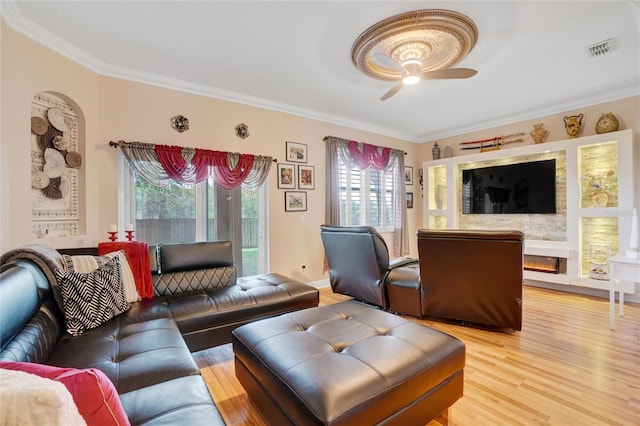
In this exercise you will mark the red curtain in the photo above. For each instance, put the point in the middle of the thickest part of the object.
(177, 168)
(369, 156)
(225, 175)
(173, 163)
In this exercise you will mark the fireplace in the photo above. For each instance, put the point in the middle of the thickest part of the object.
(548, 264)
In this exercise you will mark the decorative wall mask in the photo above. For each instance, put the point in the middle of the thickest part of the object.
(180, 123)
(572, 125)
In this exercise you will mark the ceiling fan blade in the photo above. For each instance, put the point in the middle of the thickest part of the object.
(388, 62)
(448, 73)
(392, 91)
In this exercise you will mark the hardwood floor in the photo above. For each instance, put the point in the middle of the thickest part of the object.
(564, 368)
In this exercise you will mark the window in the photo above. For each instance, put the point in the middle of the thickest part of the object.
(203, 212)
(367, 197)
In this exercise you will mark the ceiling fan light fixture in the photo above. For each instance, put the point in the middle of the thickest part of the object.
(410, 80)
(413, 67)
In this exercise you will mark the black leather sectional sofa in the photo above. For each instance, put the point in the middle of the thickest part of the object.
(145, 351)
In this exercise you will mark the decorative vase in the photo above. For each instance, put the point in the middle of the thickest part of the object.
(435, 151)
(572, 125)
(448, 151)
(607, 123)
(538, 133)
(600, 199)
(599, 259)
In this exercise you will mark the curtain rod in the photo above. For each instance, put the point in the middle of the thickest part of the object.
(117, 144)
(348, 140)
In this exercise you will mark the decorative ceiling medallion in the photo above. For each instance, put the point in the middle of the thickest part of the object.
(242, 131)
(180, 123)
(433, 38)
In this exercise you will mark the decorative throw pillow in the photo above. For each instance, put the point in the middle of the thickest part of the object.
(91, 299)
(93, 393)
(86, 263)
(31, 400)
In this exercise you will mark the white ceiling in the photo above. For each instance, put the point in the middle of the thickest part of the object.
(294, 56)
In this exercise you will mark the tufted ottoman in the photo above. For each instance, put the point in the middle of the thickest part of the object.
(348, 363)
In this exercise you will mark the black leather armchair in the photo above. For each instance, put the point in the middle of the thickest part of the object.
(472, 276)
(359, 266)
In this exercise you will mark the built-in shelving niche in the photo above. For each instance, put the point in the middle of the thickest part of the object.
(594, 176)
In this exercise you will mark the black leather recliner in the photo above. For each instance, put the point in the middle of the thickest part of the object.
(359, 266)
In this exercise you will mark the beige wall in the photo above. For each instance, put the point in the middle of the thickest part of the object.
(117, 109)
(626, 110)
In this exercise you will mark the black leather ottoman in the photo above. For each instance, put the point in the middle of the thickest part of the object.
(348, 363)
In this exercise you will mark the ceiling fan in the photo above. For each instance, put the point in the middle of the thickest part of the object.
(411, 72)
(413, 46)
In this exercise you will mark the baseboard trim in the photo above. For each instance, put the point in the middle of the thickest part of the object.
(595, 292)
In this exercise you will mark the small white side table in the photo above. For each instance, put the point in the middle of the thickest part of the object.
(624, 270)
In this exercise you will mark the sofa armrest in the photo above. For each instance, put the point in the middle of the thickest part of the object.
(401, 261)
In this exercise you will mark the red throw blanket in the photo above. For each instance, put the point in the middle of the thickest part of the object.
(137, 254)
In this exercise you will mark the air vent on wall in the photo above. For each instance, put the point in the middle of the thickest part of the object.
(602, 48)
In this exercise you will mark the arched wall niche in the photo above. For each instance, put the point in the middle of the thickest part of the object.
(57, 166)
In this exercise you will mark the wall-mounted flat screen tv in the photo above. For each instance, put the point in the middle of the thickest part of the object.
(521, 188)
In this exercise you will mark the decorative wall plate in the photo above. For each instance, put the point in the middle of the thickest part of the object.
(53, 163)
(57, 119)
(39, 125)
(53, 190)
(74, 159)
(39, 180)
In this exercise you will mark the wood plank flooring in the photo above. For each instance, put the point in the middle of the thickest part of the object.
(564, 368)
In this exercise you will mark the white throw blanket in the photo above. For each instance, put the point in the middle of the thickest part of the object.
(27, 399)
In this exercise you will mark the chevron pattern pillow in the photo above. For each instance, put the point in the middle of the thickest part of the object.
(93, 298)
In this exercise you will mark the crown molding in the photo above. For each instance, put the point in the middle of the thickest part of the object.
(12, 16)
(10, 13)
(533, 114)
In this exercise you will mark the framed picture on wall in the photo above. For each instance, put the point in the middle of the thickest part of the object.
(296, 152)
(295, 201)
(286, 176)
(306, 177)
(408, 175)
(409, 200)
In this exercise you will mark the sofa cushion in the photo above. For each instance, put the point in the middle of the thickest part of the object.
(131, 355)
(93, 393)
(251, 298)
(181, 401)
(91, 299)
